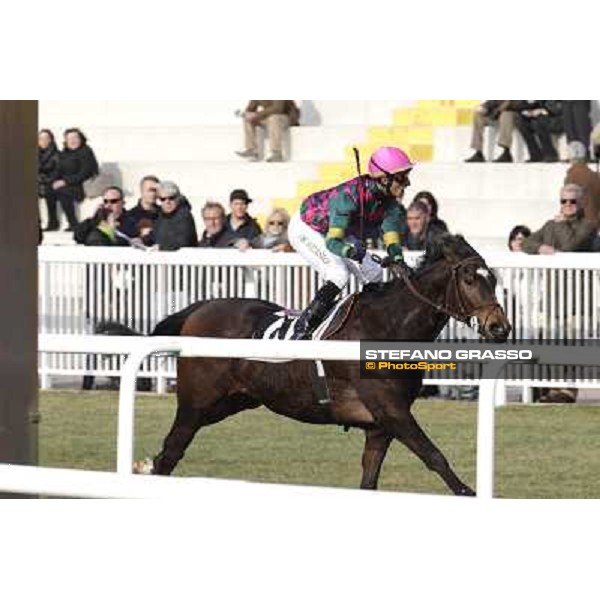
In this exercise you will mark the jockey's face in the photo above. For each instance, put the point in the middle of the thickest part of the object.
(399, 182)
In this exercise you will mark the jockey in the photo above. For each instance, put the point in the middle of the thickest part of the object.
(331, 227)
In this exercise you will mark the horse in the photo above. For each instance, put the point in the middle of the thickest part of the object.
(452, 281)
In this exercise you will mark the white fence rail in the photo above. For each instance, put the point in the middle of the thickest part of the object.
(545, 297)
(65, 482)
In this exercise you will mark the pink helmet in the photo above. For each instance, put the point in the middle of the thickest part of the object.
(389, 160)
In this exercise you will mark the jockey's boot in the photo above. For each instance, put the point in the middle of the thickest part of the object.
(316, 311)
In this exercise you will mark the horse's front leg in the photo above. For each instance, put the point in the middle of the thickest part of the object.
(408, 431)
(377, 442)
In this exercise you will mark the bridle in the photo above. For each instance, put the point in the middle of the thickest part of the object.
(452, 289)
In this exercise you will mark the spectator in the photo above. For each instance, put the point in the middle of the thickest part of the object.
(434, 223)
(47, 171)
(215, 234)
(114, 229)
(417, 234)
(238, 222)
(276, 116)
(582, 175)
(577, 122)
(536, 121)
(596, 143)
(275, 237)
(496, 113)
(175, 227)
(569, 231)
(516, 237)
(144, 214)
(76, 164)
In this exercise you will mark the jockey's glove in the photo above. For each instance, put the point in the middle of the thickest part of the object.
(355, 251)
(395, 253)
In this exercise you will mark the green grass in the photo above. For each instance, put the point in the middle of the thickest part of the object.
(541, 451)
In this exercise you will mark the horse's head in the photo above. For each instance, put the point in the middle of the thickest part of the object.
(470, 286)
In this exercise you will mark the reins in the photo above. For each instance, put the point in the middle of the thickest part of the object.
(443, 308)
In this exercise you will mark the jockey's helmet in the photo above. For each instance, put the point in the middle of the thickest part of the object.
(389, 160)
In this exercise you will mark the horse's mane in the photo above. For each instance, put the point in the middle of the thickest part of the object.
(445, 246)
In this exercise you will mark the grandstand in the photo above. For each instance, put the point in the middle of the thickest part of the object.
(193, 143)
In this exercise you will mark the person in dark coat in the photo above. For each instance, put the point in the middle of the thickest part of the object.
(215, 235)
(536, 121)
(238, 222)
(47, 173)
(116, 229)
(142, 217)
(76, 164)
(175, 227)
(418, 233)
(577, 122)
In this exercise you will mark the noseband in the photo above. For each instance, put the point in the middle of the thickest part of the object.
(453, 288)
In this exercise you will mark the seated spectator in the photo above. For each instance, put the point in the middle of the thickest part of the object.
(582, 175)
(497, 113)
(143, 215)
(76, 164)
(113, 202)
(516, 237)
(435, 224)
(215, 234)
(47, 172)
(275, 237)
(276, 116)
(569, 231)
(175, 226)
(238, 222)
(536, 121)
(577, 122)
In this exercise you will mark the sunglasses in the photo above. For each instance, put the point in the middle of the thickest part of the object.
(168, 198)
(281, 223)
(112, 200)
(568, 201)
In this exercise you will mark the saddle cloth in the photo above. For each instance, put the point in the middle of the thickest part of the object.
(280, 325)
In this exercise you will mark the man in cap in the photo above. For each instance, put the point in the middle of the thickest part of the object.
(238, 222)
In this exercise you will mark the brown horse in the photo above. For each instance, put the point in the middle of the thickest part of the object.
(452, 281)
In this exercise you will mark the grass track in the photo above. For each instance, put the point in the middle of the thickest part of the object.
(541, 451)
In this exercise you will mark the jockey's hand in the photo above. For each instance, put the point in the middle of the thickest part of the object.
(400, 265)
(356, 251)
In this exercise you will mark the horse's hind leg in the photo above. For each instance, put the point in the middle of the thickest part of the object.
(377, 442)
(413, 437)
(188, 420)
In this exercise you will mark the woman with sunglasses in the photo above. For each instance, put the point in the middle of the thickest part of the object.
(332, 225)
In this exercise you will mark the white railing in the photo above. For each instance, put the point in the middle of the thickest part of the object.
(545, 297)
(65, 482)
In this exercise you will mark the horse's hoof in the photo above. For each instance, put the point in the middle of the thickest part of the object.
(143, 467)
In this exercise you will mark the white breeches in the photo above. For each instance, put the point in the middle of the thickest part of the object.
(310, 244)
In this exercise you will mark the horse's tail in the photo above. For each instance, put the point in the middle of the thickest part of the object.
(173, 324)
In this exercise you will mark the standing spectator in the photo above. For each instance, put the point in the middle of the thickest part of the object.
(582, 175)
(47, 172)
(497, 113)
(113, 205)
(536, 121)
(569, 231)
(175, 227)
(215, 234)
(77, 163)
(275, 237)
(144, 214)
(517, 236)
(578, 124)
(238, 221)
(434, 223)
(417, 232)
(276, 116)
